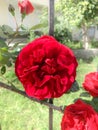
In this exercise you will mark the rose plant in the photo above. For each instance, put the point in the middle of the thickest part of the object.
(46, 68)
(8, 48)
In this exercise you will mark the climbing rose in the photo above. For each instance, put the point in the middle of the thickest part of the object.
(79, 116)
(91, 83)
(46, 68)
(25, 7)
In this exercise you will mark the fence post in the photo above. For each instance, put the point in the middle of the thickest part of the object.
(51, 17)
(51, 32)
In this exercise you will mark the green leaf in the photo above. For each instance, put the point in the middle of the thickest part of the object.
(2, 43)
(38, 26)
(2, 35)
(84, 94)
(95, 100)
(23, 27)
(94, 103)
(22, 33)
(9, 64)
(7, 30)
(3, 70)
(4, 56)
(75, 87)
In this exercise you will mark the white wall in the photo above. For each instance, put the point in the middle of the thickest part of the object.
(3, 12)
(40, 2)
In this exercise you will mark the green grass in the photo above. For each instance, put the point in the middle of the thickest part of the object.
(19, 113)
(74, 45)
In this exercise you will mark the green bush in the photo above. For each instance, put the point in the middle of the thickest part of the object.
(62, 34)
(94, 44)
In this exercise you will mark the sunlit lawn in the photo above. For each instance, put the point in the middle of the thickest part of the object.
(19, 113)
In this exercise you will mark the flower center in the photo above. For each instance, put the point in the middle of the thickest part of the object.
(49, 66)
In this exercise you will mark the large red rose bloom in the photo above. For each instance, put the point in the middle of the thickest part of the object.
(90, 83)
(46, 68)
(79, 116)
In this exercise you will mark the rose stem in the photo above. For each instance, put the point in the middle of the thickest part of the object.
(51, 32)
(22, 93)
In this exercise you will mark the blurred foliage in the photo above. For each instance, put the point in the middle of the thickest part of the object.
(67, 14)
(94, 44)
(9, 50)
(12, 41)
(79, 11)
(70, 14)
(61, 33)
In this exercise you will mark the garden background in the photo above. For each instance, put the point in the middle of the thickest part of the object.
(19, 113)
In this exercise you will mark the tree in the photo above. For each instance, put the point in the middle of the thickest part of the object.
(80, 13)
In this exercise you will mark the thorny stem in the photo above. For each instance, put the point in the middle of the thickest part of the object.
(14, 89)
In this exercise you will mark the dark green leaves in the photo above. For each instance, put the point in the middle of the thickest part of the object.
(84, 94)
(4, 56)
(2, 34)
(2, 43)
(3, 70)
(75, 87)
(7, 30)
(38, 26)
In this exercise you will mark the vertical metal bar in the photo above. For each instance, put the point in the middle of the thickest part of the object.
(51, 17)
(51, 32)
(50, 115)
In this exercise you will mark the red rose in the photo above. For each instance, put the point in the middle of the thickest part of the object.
(79, 116)
(46, 68)
(91, 83)
(25, 7)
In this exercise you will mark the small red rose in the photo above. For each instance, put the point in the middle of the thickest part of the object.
(79, 116)
(46, 68)
(25, 6)
(91, 83)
